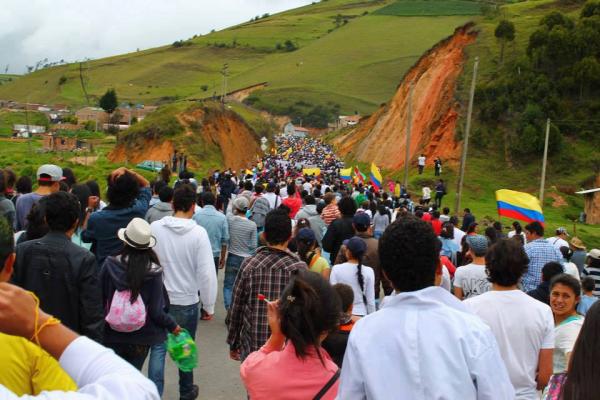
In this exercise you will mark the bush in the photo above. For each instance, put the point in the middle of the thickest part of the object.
(62, 80)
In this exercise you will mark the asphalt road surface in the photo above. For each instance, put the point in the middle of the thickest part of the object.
(217, 376)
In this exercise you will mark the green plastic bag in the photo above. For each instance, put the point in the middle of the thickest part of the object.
(182, 350)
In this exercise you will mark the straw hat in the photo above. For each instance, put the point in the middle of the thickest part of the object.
(577, 243)
(137, 234)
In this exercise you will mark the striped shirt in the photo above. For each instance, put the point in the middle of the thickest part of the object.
(594, 273)
(540, 252)
(330, 213)
(242, 236)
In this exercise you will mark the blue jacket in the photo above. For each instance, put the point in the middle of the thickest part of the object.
(103, 225)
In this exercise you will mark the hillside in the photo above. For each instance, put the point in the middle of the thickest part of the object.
(212, 137)
(347, 54)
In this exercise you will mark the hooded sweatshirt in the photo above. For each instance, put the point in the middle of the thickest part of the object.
(158, 211)
(317, 224)
(184, 251)
(113, 277)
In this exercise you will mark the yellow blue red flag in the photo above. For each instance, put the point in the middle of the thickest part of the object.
(519, 205)
(376, 178)
(346, 175)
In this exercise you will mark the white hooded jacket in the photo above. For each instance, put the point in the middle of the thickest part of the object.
(184, 252)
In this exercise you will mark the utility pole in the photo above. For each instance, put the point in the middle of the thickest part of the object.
(463, 160)
(408, 132)
(543, 182)
(224, 72)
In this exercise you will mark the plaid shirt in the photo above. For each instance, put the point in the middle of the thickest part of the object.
(540, 252)
(268, 272)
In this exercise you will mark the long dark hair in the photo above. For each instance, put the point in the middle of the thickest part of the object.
(306, 250)
(582, 381)
(138, 263)
(518, 228)
(308, 307)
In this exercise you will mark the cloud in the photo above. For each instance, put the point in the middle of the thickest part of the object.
(75, 29)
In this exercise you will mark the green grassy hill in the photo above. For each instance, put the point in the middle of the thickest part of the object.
(348, 54)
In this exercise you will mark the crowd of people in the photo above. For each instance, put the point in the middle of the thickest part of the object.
(332, 289)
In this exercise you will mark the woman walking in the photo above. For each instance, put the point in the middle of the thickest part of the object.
(134, 296)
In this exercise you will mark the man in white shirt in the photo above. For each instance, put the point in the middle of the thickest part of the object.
(559, 240)
(184, 251)
(458, 234)
(423, 344)
(421, 163)
(471, 280)
(272, 197)
(523, 326)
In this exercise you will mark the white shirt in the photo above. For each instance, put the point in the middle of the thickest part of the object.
(346, 273)
(422, 160)
(472, 279)
(184, 252)
(307, 186)
(458, 235)
(522, 326)
(558, 242)
(423, 345)
(513, 233)
(100, 375)
(274, 200)
(426, 193)
(565, 336)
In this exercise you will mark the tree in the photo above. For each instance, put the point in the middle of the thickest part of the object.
(587, 72)
(505, 32)
(108, 102)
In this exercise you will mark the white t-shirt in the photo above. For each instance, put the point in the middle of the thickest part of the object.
(472, 279)
(558, 242)
(522, 326)
(347, 273)
(426, 193)
(422, 160)
(513, 233)
(565, 336)
(458, 235)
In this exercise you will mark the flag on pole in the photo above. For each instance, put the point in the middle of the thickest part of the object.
(346, 175)
(376, 178)
(359, 177)
(519, 205)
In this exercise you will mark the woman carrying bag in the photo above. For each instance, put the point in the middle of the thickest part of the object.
(134, 296)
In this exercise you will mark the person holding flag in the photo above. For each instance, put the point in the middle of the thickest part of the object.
(346, 175)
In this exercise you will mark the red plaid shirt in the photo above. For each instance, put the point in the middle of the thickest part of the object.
(267, 272)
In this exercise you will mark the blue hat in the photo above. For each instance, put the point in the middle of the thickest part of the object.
(478, 244)
(361, 219)
(306, 235)
(356, 245)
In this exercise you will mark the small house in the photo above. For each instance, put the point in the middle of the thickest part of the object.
(592, 204)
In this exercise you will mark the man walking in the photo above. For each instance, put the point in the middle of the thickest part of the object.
(540, 252)
(184, 252)
(215, 224)
(243, 241)
(408, 328)
(421, 163)
(48, 177)
(62, 274)
(266, 273)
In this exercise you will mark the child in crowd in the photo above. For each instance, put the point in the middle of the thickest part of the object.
(587, 299)
(336, 341)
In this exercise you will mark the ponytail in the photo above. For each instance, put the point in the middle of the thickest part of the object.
(361, 280)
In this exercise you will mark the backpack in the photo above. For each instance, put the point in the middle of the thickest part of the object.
(259, 210)
(125, 316)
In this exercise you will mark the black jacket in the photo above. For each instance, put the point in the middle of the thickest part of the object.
(65, 278)
(541, 293)
(154, 295)
(338, 231)
(468, 219)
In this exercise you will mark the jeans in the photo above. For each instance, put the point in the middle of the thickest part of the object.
(377, 234)
(187, 318)
(217, 260)
(232, 267)
(134, 354)
(438, 199)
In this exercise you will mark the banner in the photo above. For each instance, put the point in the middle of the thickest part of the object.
(311, 171)
(359, 177)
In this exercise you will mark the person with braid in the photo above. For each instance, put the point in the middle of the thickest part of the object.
(292, 365)
(360, 277)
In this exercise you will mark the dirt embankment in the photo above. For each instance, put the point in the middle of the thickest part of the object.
(206, 130)
(382, 137)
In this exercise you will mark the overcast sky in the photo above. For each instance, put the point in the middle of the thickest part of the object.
(72, 30)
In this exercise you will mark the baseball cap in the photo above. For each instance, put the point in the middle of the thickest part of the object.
(561, 230)
(595, 254)
(361, 219)
(54, 172)
(478, 243)
(356, 245)
(241, 203)
(306, 234)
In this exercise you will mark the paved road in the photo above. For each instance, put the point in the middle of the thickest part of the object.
(217, 376)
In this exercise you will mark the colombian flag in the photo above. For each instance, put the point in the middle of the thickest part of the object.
(376, 177)
(519, 205)
(346, 175)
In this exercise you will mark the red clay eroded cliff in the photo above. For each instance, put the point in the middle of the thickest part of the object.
(207, 130)
(381, 138)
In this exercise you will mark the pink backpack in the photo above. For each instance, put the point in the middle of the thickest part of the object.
(125, 316)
